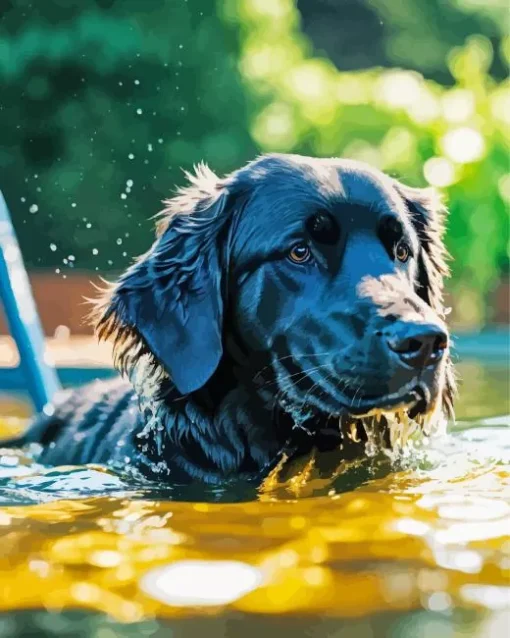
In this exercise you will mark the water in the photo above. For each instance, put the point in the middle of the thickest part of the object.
(367, 550)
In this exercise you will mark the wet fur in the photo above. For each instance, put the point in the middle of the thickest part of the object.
(187, 408)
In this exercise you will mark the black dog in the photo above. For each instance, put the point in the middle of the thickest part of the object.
(290, 299)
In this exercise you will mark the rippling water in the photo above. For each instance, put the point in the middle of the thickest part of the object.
(422, 549)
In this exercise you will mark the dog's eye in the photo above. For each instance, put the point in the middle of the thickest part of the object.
(402, 252)
(300, 254)
(323, 228)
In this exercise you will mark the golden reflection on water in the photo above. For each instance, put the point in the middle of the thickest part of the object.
(434, 538)
(389, 545)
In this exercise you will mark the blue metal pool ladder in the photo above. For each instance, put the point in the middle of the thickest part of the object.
(22, 316)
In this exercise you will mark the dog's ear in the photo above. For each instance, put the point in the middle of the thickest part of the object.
(169, 304)
(428, 214)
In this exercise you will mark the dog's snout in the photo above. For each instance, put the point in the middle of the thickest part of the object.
(419, 346)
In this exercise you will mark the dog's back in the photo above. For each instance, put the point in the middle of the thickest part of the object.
(86, 424)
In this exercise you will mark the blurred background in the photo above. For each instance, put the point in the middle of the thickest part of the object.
(104, 102)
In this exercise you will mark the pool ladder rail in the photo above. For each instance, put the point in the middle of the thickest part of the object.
(22, 316)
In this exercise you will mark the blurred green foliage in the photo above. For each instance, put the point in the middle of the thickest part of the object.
(413, 34)
(103, 102)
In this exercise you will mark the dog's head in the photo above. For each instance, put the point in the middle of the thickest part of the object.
(328, 270)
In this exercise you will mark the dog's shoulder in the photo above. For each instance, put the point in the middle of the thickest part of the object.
(82, 417)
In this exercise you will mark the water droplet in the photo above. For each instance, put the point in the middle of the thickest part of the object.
(137, 81)
(129, 183)
(160, 140)
(139, 111)
(23, 199)
(89, 225)
(49, 409)
(95, 251)
(53, 247)
(71, 258)
(131, 156)
(34, 208)
(123, 196)
(73, 204)
(119, 241)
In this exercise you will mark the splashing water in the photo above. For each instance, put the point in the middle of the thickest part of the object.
(413, 545)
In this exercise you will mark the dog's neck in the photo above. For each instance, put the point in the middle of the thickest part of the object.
(231, 427)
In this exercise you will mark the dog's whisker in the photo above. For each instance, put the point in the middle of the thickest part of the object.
(290, 356)
(301, 374)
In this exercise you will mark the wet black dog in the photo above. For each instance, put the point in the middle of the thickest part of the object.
(294, 296)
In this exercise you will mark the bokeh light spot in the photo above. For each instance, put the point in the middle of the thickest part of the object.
(201, 583)
(463, 145)
(439, 171)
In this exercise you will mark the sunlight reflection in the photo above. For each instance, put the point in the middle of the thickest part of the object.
(466, 561)
(489, 596)
(458, 105)
(458, 507)
(309, 82)
(410, 539)
(464, 145)
(201, 583)
(411, 526)
(439, 171)
(275, 127)
(470, 532)
(439, 601)
(400, 88)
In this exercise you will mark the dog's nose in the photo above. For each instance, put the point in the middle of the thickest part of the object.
(420, 345)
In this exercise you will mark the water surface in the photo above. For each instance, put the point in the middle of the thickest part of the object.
(421, 549)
